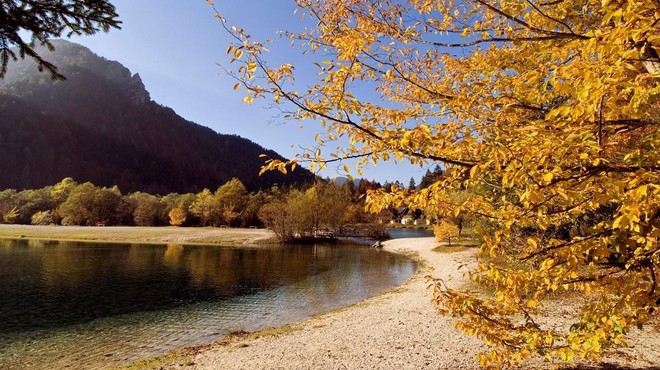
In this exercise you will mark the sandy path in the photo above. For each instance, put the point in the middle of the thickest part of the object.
(397, 330)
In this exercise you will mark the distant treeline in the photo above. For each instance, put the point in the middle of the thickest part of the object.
(291, 212)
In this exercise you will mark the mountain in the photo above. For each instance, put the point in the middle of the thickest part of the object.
(100, 125)
(341, 180)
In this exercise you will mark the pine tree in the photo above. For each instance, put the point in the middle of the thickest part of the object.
(411, 185)
(49, 19)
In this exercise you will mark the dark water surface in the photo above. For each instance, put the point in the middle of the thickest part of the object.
(97, 305)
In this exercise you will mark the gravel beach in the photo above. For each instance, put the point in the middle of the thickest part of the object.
(397, 330)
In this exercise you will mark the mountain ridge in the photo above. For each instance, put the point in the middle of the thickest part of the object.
(104, 128)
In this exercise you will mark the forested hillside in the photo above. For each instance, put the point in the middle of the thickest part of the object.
(100, 125)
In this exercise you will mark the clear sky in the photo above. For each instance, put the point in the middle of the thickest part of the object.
(174, 46)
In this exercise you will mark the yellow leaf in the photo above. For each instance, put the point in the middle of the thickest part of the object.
(544, 137)
(532, 242)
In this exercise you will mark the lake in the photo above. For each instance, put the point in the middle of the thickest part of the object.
(98, 305)
(402, 232)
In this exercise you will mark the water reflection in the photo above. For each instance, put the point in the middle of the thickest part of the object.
(104, 304)
(173, 255)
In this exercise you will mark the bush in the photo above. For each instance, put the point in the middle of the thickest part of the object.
(10, 216)
(69, 221)
(43, 218)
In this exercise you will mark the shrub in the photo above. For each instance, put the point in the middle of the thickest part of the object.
(10, 216)
(43, 218)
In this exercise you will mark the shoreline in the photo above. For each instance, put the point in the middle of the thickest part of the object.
(399, 328)
(142, 234)
(396, 329)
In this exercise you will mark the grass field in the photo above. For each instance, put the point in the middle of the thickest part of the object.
(131, 234)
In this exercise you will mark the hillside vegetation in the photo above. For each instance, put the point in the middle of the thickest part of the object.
(100, 125)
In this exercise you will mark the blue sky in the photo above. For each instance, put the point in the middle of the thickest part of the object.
(174, 46)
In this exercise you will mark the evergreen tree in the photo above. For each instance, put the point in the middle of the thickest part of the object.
(49, 19)
(411, 185)
(430, 177)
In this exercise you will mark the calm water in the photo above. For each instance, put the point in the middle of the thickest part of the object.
(84, 305)
(396, 233)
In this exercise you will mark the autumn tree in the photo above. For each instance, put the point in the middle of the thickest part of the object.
(205, 207)
(356, 214)
(44, 20)
(445, 231)
(10, 216)
(106, 203)
(78, 207)
(452, 213)
(231, 198)
(349, 189)
(302, 214)
(62, 189)
(550, 109)
(175, 200)
(274, 215)
(33, 201)
(331, 204)
(250, 214)
(147, 209)
(89, 205)
(177, 216)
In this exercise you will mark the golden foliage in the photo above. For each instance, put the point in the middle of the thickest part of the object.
(547, 112)
(10, 216)
(445, 231)
(177, 216)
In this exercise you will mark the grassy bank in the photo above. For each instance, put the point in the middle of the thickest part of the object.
(151, 235)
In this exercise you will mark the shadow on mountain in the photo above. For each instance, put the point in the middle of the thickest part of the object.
(100, 125)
